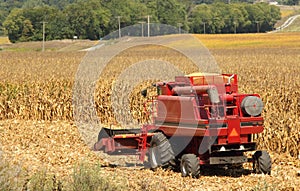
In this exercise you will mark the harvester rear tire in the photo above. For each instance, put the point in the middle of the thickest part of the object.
(190, 166)
(262, 162)
(161, 153)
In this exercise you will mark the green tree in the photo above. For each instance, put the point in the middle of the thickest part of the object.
(271, 15)
(37, 16)
(87, 19)
(57, 27)
(33, 3)
(235, 18)
(5, 8)
(60, 4)
(262, 16)
(27, 31)
(169, 12)
(130, 11)
(256, 16)
(218, 12)
(14, 25)
(2, 19)
(201, 19)
(290, 2)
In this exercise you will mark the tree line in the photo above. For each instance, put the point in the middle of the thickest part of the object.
(233, 18)
(94, 19)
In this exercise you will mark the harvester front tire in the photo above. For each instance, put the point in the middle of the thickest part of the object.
(190, 166)
(161, 153)
(262, 162)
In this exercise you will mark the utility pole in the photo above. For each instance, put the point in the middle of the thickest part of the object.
(142, 23)
(234, 23)
(257, 26)
(148, 17)
(119, 22)
(204, 27)
(44, 23)
(179, 27)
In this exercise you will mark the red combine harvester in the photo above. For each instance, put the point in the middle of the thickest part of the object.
(199, 119)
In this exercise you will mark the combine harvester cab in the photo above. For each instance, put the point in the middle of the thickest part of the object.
(198, 119)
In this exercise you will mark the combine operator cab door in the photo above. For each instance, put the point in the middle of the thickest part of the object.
(233, 129)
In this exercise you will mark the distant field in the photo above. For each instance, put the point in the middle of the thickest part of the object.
(4, 40)
(54, 45)
(288, 10)
(286, 13)
(251, 41)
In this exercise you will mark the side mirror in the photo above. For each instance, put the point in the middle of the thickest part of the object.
(144, 92)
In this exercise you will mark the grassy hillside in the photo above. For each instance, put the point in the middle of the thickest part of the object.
(294, 27)
(287, 12)
(55, 45)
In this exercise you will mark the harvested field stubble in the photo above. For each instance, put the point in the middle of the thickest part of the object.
(55, 147)
(36, 92)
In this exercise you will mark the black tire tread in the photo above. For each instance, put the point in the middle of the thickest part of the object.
(164, 148)
(264, 162)
(192, 165)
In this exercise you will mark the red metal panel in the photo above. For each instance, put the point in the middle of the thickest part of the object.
(222, 140)
(177, 109)
(216, 132)
(233, 129)
(245, 130)
(252, 119)
(244, 139)
(182, 131)
(251, 129)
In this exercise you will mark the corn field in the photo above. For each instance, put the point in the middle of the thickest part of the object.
(38, 86)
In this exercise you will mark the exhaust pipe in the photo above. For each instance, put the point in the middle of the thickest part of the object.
(209, 89)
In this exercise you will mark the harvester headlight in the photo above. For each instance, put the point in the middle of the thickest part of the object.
(252, 105)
